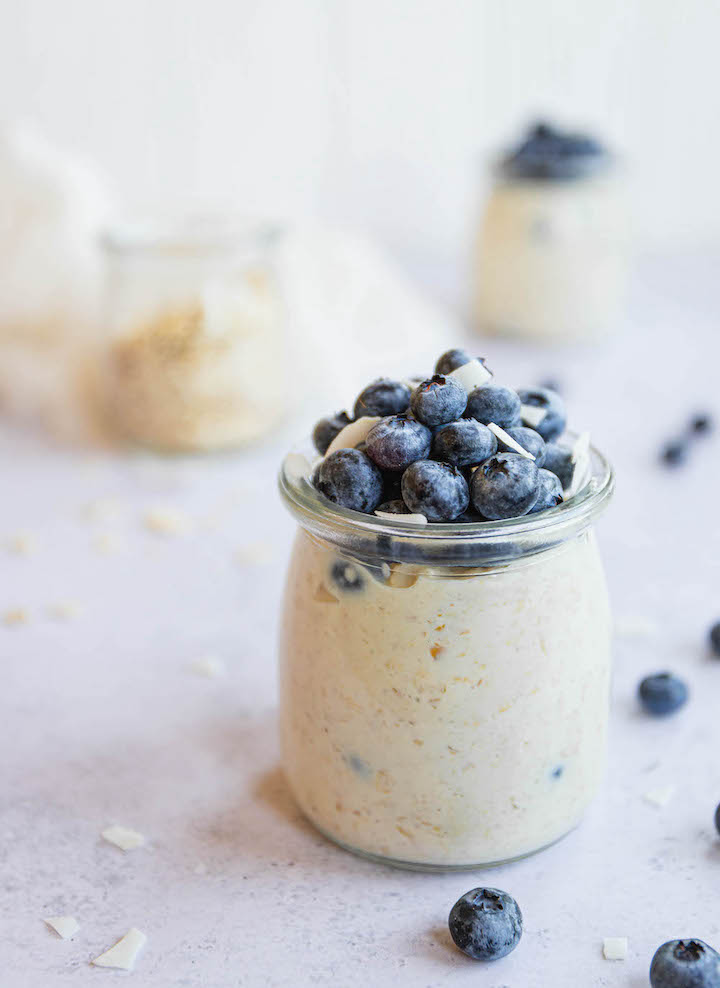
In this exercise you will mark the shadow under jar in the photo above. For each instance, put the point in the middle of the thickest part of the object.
(444, 689)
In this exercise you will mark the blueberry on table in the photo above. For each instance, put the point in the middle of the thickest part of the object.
(715, 639)
(486, 924)
(464, 443)
(717, 818)
(438, 400)
(397, 441)
(436, 490)
(551, 492)
(558, 459)
(529, 439)
(494, 403)
(701, 424)
(662, 694)
(674, 452)
(451, 360)
(505, 486)
(395, 507)
(326, 430)
(555, 419)
(685, 964)
(350, 478)
(383, 397)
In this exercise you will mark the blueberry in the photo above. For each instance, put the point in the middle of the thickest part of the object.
(451, 360)
(486, 924)
(326, 430)
(715, 638)
(701, 424)
(717, 818)
(662, 694)
(558, 459)
(396, 442)
(383, 397)
(551, 492)
(494, 403)
(531, 441)
(395, 507)
(347, 576)
(557, 771)
(350, 478)
(464, 443)
(438, 400)
(555, 420)
(436, 490)
(685, 964)
(505, 486)
(674, 452)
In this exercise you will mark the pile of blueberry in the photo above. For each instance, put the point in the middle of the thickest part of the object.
(447, 447)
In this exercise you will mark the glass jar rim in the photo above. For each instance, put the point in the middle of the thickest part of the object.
(202, 231)
(445, 542)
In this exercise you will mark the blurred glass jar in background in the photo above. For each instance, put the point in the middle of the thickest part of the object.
(553, 247)
(195, 355)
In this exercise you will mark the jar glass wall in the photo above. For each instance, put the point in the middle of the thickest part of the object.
(444, 692)
(192, 312)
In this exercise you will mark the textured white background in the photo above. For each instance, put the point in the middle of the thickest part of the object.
(102, 722)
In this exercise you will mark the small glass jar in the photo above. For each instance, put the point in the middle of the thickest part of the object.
(552, 253)
(195, 356)
(444, 689)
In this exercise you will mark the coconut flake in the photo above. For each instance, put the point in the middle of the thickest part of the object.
(410, 519)
(532, 415)
(615, 948)
(580, 457)
(353, 434)
(472, 375)
(509, 441)
(581, 448)
(124, 954)
(123, 837)
(64, 926)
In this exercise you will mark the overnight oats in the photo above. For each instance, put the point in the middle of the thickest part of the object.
(445, 652)
(192, 311)
(552, 252)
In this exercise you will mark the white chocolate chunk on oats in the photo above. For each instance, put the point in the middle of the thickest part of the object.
(509, 441)
(15, 617)
(411, 519)
(659, 797)
(615, 948)
(353, 434)
(472, 375)
(123, 837)
(209, 666)
(532, 415)
(124, 954)
(167, 521)
(64, 926)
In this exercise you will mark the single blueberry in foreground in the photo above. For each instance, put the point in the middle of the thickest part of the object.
(530, 440)
(396, 442)
(494, 403)
(464, 443)
(555, 419)
(347, 576)
(438, 400)
(701, 424)
(551, 492)
(486, 924)
(662, 694)
(326, 429)
(558, 459)
(383, 397)
(350, 478)
(715, 638)
(451, 360)
(674, 452)
(685, 964)
(505, 486)
(436, 490)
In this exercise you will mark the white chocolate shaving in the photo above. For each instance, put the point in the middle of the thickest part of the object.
(532, 415)
(410, 519)
(123, 837)
(509, 441)
(64, 926)
(615, 948)
(124, 954)
(353, 434)
(581, 448)
(472, 375)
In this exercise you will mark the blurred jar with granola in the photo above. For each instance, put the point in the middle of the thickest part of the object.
(194, 358)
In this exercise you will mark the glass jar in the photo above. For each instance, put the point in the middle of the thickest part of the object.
(552, 253)
(195, 357)
(444, 689)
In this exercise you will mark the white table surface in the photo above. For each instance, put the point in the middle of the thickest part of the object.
(102, 720)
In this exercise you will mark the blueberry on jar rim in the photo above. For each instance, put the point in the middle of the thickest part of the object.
(550, 493)
(436, 490)
(558, 459)
(395, 442)
(348, 477)
(383, 397)
(505, 486)
(464, 443)
(438, 400)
